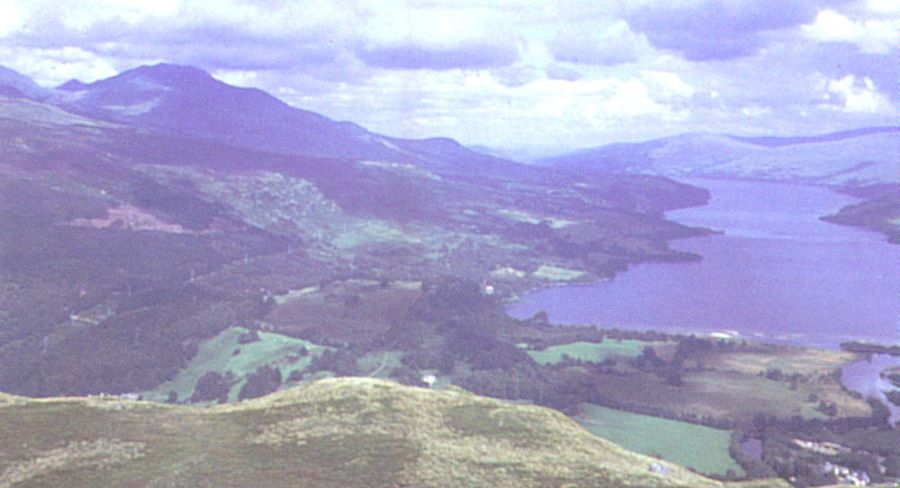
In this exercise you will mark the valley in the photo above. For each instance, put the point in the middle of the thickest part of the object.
(266, 279)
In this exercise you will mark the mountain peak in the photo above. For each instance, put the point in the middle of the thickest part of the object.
(72, 85)
(173, 70)
(171, 75)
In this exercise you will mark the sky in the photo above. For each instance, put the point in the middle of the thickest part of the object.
(526, 75)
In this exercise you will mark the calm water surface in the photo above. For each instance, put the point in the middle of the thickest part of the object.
(776, 273)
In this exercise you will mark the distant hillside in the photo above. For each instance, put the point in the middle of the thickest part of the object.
(859, 157)
(772, 141)
(340, 432)
(880, 211)
(143, 244)
(13, 83)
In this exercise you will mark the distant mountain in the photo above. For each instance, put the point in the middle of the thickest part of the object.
(10, 92)
(72, 85)
(13, 84)
(771, 141)
(191, 103)
(863, 156)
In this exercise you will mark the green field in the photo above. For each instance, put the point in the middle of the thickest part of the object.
(694, 446)
(218, 354)
(590, 351)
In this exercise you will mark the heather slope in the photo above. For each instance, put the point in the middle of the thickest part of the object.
(340, 432)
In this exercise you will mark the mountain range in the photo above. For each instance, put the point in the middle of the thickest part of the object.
(859, 157)
(187, 101)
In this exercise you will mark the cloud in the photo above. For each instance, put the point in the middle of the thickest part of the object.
(614, 45)
(54, 66)
(231, 36)
(886, 7)
(235, 35)
(436, 38)
(704, 30)
(756, 111)
(478, 108)
(667, 84)
(470, 55)
(853, 95)
(11, 18)
(871, 36)
(517, 75)
(559, 72)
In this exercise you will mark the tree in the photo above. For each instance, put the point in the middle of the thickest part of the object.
(212, 386)
(775, 374)
(673, 378)
(261, 382)
(248, 337)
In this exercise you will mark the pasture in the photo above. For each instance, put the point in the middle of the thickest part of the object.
(590, 351)
(694, 446)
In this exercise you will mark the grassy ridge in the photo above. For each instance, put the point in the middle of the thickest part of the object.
(338, 432)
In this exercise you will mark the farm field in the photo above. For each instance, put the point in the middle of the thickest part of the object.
(722, 395)
(694, 446)
(789, 360)
(590, 351)
(728, 390)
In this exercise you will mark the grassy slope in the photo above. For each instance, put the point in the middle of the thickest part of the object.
(217, 354)
(699, 447)
(339, 432)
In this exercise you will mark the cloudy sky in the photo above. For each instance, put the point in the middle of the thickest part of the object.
(526, 74)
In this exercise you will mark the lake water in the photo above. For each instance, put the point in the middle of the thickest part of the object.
(777, 273)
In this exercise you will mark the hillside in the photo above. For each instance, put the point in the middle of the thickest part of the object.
(143, 244)
(340, 432)
(22, 85)
(879, 211)
(862, 157)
